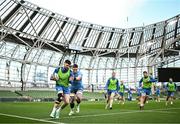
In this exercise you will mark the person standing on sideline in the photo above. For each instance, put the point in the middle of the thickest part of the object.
(112, 87)
(145, 83)
(76, 90)
(62, 76)
(171, 88)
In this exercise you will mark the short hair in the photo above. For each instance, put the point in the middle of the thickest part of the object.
(67, 61)
(75, 66)
(144, 72)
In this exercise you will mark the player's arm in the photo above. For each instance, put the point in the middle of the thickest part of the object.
(140, 83)
(175, 86)
(54, 75)
(107, 84)
(79, 77)
(118, 86)
(152, 79)
(71, 78)
(167, 86)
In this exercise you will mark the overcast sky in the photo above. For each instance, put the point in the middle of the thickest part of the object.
(114, 13)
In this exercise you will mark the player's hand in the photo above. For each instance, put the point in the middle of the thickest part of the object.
(52, 77)
(77, 78)
(71, 78)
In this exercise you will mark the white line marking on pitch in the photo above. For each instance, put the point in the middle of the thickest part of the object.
(28, 118)
(134, 111)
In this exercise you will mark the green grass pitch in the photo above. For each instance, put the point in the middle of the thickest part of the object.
(90, 112)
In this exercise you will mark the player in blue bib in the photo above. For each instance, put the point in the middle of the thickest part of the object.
(76, 90)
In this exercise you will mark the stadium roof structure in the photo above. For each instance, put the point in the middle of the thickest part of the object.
(34, 27)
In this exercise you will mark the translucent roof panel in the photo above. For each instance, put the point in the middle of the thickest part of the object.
(85, 62)
(15, 71)
(55, 59)
(8, 49)
(20, 53)
(3, 71)
(46, 57)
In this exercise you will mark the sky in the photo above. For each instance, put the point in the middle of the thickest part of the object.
(114, 13)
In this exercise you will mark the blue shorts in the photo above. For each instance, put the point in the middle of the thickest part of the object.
(139, 93)
(145, 92)
(111, 91)
(62, 89)
(157, 93)
(76, 89)
(121, 93)
(170, 93)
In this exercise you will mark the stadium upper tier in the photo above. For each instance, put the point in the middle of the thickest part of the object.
(35, 27)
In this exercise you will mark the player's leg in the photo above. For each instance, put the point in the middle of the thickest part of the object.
(146, 99)
(172, 97)
(158, 97)
(142, 99)
(119, 97)
(66, 97)
(168, 97)
(72, 99)
(79, 95)
(111, 99)
(108, 99)
(148, 92)
(55, 107)
(122, 98)
(138, 97)
(57, 102)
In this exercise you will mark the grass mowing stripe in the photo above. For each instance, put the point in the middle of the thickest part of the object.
(28, 118)
(127, 112)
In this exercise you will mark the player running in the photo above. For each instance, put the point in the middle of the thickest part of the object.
(76, 90)
(171, 88)
(121, 92)
(62, 76)
(112, 87)
(146, 84)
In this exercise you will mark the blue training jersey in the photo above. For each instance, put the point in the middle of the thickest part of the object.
(77, 83)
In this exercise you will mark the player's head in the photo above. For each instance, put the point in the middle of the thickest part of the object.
(113, 74)
(75, 68)
(67, 64)
(170, 80)
(150, 74)
(122, 82)
(145, 73)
